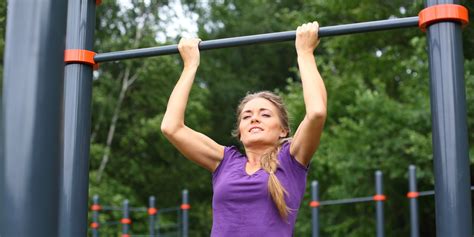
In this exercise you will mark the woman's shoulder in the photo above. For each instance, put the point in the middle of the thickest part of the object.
(232, 155)
(231, 151)
(286, 159)
(285, 148)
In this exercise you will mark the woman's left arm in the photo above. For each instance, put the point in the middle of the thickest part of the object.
(306, 139)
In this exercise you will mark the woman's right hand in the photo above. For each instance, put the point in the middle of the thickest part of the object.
(189, 51)
(307, 38)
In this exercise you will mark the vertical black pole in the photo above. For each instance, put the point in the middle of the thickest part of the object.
(185, 207)
(315, 208)
(77, 122)
(158, 223)
(379, 203)
(413, 196)
(151, 215)
(450, 146)
(32, 99)
(125, 219)
(95, 216)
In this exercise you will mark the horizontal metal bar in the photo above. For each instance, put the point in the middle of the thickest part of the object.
(346, 201)
(432, 192)
(168, 209)
(426, 193)
(138, 209)
(111, 208)
(262, 38)
(110, 223)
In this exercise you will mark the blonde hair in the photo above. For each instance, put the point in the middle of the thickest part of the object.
(269, 161)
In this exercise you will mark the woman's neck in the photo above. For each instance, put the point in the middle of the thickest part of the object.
(255, 153)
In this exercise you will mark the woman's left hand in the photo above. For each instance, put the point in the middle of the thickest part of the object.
(307, 38)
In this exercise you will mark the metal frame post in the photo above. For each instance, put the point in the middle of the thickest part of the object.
(95, 216)
(314, 208)
(379, 203)
(450, 146)
(77, 122)
(32, 99)
(413, 196)
(158, 223)
(125, 218)
(185, 215)
(151, 215)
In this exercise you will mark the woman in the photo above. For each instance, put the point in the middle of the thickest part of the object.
(257, 193)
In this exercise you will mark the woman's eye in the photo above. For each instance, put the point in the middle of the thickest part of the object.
(266, 115)
(245, 117)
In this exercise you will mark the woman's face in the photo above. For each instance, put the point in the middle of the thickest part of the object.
(260, 123)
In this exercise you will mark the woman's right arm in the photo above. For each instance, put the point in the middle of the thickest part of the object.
(195, 146)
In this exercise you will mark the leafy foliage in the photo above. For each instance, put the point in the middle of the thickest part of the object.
(378, 106)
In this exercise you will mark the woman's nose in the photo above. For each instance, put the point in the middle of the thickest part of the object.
(254, 119)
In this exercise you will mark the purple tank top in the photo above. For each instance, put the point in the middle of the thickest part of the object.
(242, 205)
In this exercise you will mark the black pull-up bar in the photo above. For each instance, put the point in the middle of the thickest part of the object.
(262, 38)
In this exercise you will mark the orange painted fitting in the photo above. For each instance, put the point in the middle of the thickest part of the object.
(152, 211)
(379, 197)
(80, 56)
(95, 225)
(442, 12)
(314, 204)
(96, 207)
(413, 194)
(98, 2)
(126, 221)
(185, 206)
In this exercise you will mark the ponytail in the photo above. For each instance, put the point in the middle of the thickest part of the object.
(269, 163)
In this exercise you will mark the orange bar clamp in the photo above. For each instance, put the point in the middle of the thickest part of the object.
(442, 12)
(314, 204)
(185, 206)
(95, 225)
(379, 197)
(96, 207)
(126, 221)
(152, 211)
(80, 56)
(413, 194)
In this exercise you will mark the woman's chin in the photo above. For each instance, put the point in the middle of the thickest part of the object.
(256, 141)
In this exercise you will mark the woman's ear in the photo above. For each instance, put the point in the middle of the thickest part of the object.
(284, 133)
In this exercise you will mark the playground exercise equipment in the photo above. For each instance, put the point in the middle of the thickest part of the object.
(153, 216)
(379, 198)
(47, 133)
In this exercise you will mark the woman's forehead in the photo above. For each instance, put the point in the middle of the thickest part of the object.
(258, 104)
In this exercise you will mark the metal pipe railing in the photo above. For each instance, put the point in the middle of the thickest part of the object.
(413, 196)
(379, 203)
(379, 198)
(262, 38)
(315, 208)
(347, 201)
